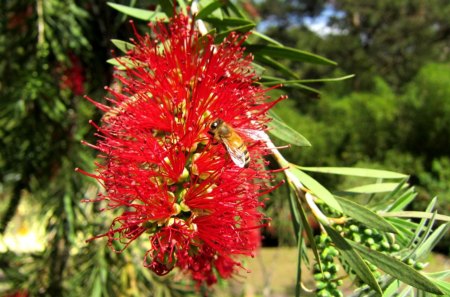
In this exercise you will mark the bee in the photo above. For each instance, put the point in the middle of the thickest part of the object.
(225, 134)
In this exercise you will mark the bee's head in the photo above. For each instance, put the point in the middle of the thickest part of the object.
(214, 125)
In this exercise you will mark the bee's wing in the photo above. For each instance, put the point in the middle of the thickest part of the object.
(253, 134)
(237, 155)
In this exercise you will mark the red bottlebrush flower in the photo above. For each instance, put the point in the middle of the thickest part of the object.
(168, 166)
(73, 77)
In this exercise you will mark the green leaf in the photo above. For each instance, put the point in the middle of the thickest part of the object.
(141, 14)
(439, 274)
(316, 188)
(295, 213)
(276, 65)
(123, 46)
(397, 269)
(271, 81)
(225, 22)
(266, 38)
(243, 29)
(364, 215)
(353, 259)
(415, 214)
(329, 79)
(444, 286)
(363, 172)
(122, 63)
(299, 266)
(305, 81)
(404, 200)
(373, 188)
(403, 228)
(427, 246)
(309, 232)
(288, 53)
(282, 131)
(208, 9)
(183, 6)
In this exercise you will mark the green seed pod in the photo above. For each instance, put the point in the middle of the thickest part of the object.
(321, 285)
(356, 237)
(323, 293)
(354, 228)
(385, 245)
(318, 276)
(369, 241)
(419, 265)
(368, 232)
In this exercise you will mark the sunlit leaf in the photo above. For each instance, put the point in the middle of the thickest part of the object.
(444, 286)
(397, 269)
(373, 188)
(123, 46)
(282, 131)
(428, 245)
(141, 14)
(122, 63)
(365, 215)
(208, 9)
(316, 188)
(363, 172)
(404, 200)
(353, 259)
(415, 214)
(288, 53)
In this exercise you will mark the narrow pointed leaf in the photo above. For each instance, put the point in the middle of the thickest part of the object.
(444, 286)
(353, 259)
(404, 200)
(305, 81)
(363, 172)
(428, 245)
(373, 188)
(288, 53)
(365, 215)
(226, 22)
(299, 266)
(397, 269)
(439, 274)
(242, 29)
(141, 14)
(208, 9)
(266, 38)
(319, 191)
(123, 46)
(264, 59)
(295, 212)
(325, 79)
(272, 81)
(309, 233)
(121, 63)
(282, 131)
(415, 214)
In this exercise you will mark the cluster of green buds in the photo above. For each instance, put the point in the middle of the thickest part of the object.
(325, 275)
